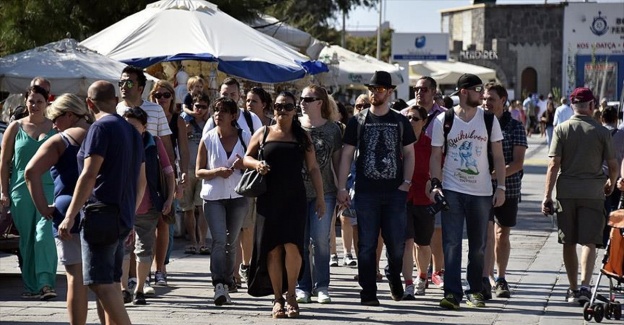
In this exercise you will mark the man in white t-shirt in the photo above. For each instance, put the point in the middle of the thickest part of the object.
(467, 184)
(247, 120)
(563, 112)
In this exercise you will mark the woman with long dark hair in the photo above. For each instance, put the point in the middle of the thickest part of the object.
(281, 216)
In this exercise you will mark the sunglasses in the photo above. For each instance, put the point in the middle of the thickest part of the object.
(413, 118)
(159, 95)
(284, 107)
(377, 89)
(126, 83)
(477, 88)
(421, 89)
(309, 99)
(200, 106)
(56, 118)
(361, 106)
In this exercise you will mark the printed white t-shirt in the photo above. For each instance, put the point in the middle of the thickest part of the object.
(157, 123)
(466, 167)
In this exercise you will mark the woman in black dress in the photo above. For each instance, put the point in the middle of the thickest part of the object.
(281, 211)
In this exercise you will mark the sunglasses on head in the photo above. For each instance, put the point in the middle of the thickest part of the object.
(377, 89)
(309, 99)
(159, 95)
(126, 83)
(284, 107)
(56, 118)
(413, 118)
(421, 89)
(361, 106)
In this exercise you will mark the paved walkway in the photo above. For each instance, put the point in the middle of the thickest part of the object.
(536, 276)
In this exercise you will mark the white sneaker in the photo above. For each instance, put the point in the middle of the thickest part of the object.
(221, 296)
(303, 297)
(408, 294)
(323, 296)
(349, 261)
(420, 286)
(132, 283)
(333, 260)
(148, 290)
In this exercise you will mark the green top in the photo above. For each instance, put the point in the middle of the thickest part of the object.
(25, 148)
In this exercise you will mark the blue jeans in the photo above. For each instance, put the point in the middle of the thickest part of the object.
(317, 236)
(385, 211)
(225, 219)
(475, 210)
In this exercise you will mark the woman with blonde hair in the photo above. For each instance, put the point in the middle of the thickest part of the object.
(71, 117)
(164, 95)
(20, 142)
(318, 120)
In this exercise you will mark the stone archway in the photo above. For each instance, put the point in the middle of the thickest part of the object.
(528, 81)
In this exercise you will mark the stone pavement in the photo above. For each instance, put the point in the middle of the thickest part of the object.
(536, 276)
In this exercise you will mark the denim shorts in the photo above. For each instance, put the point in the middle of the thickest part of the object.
(101, 264)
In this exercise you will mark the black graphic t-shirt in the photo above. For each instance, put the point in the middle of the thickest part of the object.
(327, 139)
(379, 165)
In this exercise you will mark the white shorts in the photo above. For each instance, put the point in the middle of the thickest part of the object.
(69, 251)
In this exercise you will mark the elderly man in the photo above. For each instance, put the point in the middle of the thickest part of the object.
(579, 147)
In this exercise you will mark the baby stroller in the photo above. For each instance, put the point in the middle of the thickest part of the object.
(612, 268)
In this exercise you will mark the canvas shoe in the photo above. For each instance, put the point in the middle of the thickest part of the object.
(333, 261)
(148, 289)
(349, 261)
(323, 296)
(303, 297)
(421, 285)
(160, 279)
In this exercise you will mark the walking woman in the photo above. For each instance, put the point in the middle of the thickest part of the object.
(164, 95)
(71, 118)
(280, 223)
(327, 140)
(20, 142)
(220, 165)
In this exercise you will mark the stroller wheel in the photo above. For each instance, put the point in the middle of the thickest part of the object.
(587, 312)
(598, 312)
(617, 310)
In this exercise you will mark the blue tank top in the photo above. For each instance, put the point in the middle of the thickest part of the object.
(65, 175)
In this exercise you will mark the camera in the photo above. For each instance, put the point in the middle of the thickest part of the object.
(440, 205)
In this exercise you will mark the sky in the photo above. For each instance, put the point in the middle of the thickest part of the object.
(422, 16)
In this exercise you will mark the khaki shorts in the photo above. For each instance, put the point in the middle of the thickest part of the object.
(581, 221)
(191, 198)
(145, 231)
(69, 251)
(250, 218)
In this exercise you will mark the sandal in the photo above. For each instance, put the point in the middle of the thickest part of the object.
(278, 308)
(292, 307)
(190, 250)
(47, 293)
(31, 295)
(204, 250)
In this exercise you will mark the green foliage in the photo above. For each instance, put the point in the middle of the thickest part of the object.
(368, 45)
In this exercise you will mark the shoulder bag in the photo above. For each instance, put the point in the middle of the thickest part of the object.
(252, 183)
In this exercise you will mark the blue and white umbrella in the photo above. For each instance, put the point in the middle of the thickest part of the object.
(172, 30)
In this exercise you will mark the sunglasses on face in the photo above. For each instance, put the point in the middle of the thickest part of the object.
(126, 83)
(377, 89)
(421, 89)
(309, 99)
(413, 118)
(362, 106)
(200, 106)
(284, 107)
(478, 89)
(159, 95)
(56, 118)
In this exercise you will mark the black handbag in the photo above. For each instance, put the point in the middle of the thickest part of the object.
(252, 183)
(169, 218)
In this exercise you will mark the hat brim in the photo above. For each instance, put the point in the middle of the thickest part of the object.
(455, 93)
(376, 85)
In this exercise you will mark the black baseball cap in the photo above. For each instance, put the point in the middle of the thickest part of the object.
(467, 80)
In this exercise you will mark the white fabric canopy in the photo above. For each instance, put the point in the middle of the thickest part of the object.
(71, 68)
(355, 69)
(172, 30)
(292, 36)
(447, 72)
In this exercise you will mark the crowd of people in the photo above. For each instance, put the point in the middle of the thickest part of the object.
(95, 184)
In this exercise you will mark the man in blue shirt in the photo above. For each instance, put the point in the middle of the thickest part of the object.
(110, 186)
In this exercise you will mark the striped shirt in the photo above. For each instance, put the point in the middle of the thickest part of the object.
(157, 123)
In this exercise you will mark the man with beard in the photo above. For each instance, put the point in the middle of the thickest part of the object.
(503, 217)
(466, 186)
(384, 167)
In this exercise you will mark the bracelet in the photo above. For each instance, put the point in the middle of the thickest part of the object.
(502, 187)
(408, 182)
(342, 189)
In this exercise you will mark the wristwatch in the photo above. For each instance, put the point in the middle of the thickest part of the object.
(408, 182)
(502, 187)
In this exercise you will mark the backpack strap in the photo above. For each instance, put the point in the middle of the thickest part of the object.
(240, 137)
(247, 116)
(361, 119)
(489, 121)
(449, 116)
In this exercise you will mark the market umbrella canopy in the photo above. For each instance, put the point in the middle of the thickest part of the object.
(70, 67)
(172, 30)
(447, 72)
(354, 68)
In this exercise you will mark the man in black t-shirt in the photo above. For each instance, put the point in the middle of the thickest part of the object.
(384, 166)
